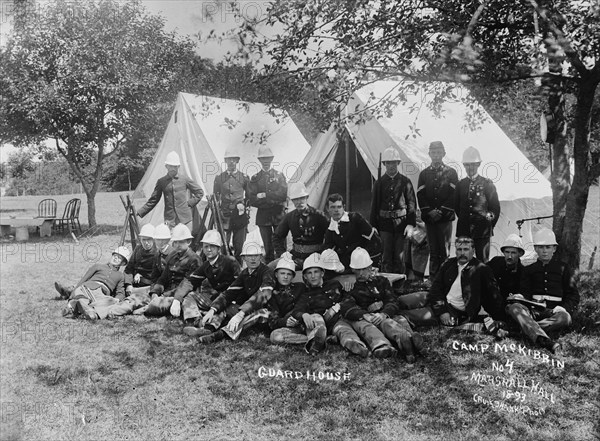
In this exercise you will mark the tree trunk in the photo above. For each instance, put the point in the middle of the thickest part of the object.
(560, 179)
(578, 196)
(91, 203)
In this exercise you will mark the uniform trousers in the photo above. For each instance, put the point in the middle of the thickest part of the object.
(438, 237)
(266, 233)
(538, 323)
(393, 252)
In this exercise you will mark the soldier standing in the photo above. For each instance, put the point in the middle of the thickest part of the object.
(231, 189)
(174, 187)
(267, 191)
(393, 211)
(435, 192)
(476, 205)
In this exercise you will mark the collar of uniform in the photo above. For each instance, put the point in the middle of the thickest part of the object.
(474, 178)
(214, 261)
(394, 176)
(437, 167)
(334, 225)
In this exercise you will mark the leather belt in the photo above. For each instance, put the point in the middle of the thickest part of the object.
(395, 214)
(307, 249)
(551, 298)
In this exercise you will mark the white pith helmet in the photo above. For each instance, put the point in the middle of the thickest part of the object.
(544, 237)
(173, 159)
(312, 261)
(123, 252)
(331, 261)
(360, 259)
(251, 248)
(147, 231)
(286, 264)
(471, 155)
(514, 241)
(391, 154)
(297, 190)
(212, 237)
(181, 232)
(162, 231)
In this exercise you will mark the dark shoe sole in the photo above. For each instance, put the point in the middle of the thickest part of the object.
(192, 331)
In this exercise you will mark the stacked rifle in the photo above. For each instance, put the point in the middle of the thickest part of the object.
(215, 221)
(130, 220)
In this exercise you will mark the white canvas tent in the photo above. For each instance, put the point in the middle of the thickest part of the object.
(333, 166)
(201, 129)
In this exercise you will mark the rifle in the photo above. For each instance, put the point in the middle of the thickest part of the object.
(379, 167)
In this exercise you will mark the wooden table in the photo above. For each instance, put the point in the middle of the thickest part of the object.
(22, 223)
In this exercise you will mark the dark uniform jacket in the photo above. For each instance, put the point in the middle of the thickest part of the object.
(232, 189)
(160, 262)
(508, 280)
(435, 190)
(282, 302)
(107, 278)
(271, 208)
(474, 199)
(317, 300)
(365, 293)
(479, 288)
(245, 291)
(141, 262)
(308, 230)
(220, 276)
(394, 205)
(552, 283)
(178, 265)
(178, 208)
(357, 232)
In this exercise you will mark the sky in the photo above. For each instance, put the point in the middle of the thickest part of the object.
(191, 17)
(186, 17)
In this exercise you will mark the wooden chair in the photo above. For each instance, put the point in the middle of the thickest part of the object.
(70, 217)
(47, 209)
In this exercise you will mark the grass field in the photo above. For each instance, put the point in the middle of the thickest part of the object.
(139, 378)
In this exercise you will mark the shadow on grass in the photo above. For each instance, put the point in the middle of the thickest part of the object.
(52, 376)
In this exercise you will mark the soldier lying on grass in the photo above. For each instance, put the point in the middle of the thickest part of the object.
(100, 287)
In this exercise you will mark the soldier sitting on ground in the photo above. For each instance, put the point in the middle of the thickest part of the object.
(242, 304)
(508, 268)
(138, 271)
(369, 308)
(462, 286)
(548, 294)
(318, 308)
(200, 288)
(180, 262)
(285, 328)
